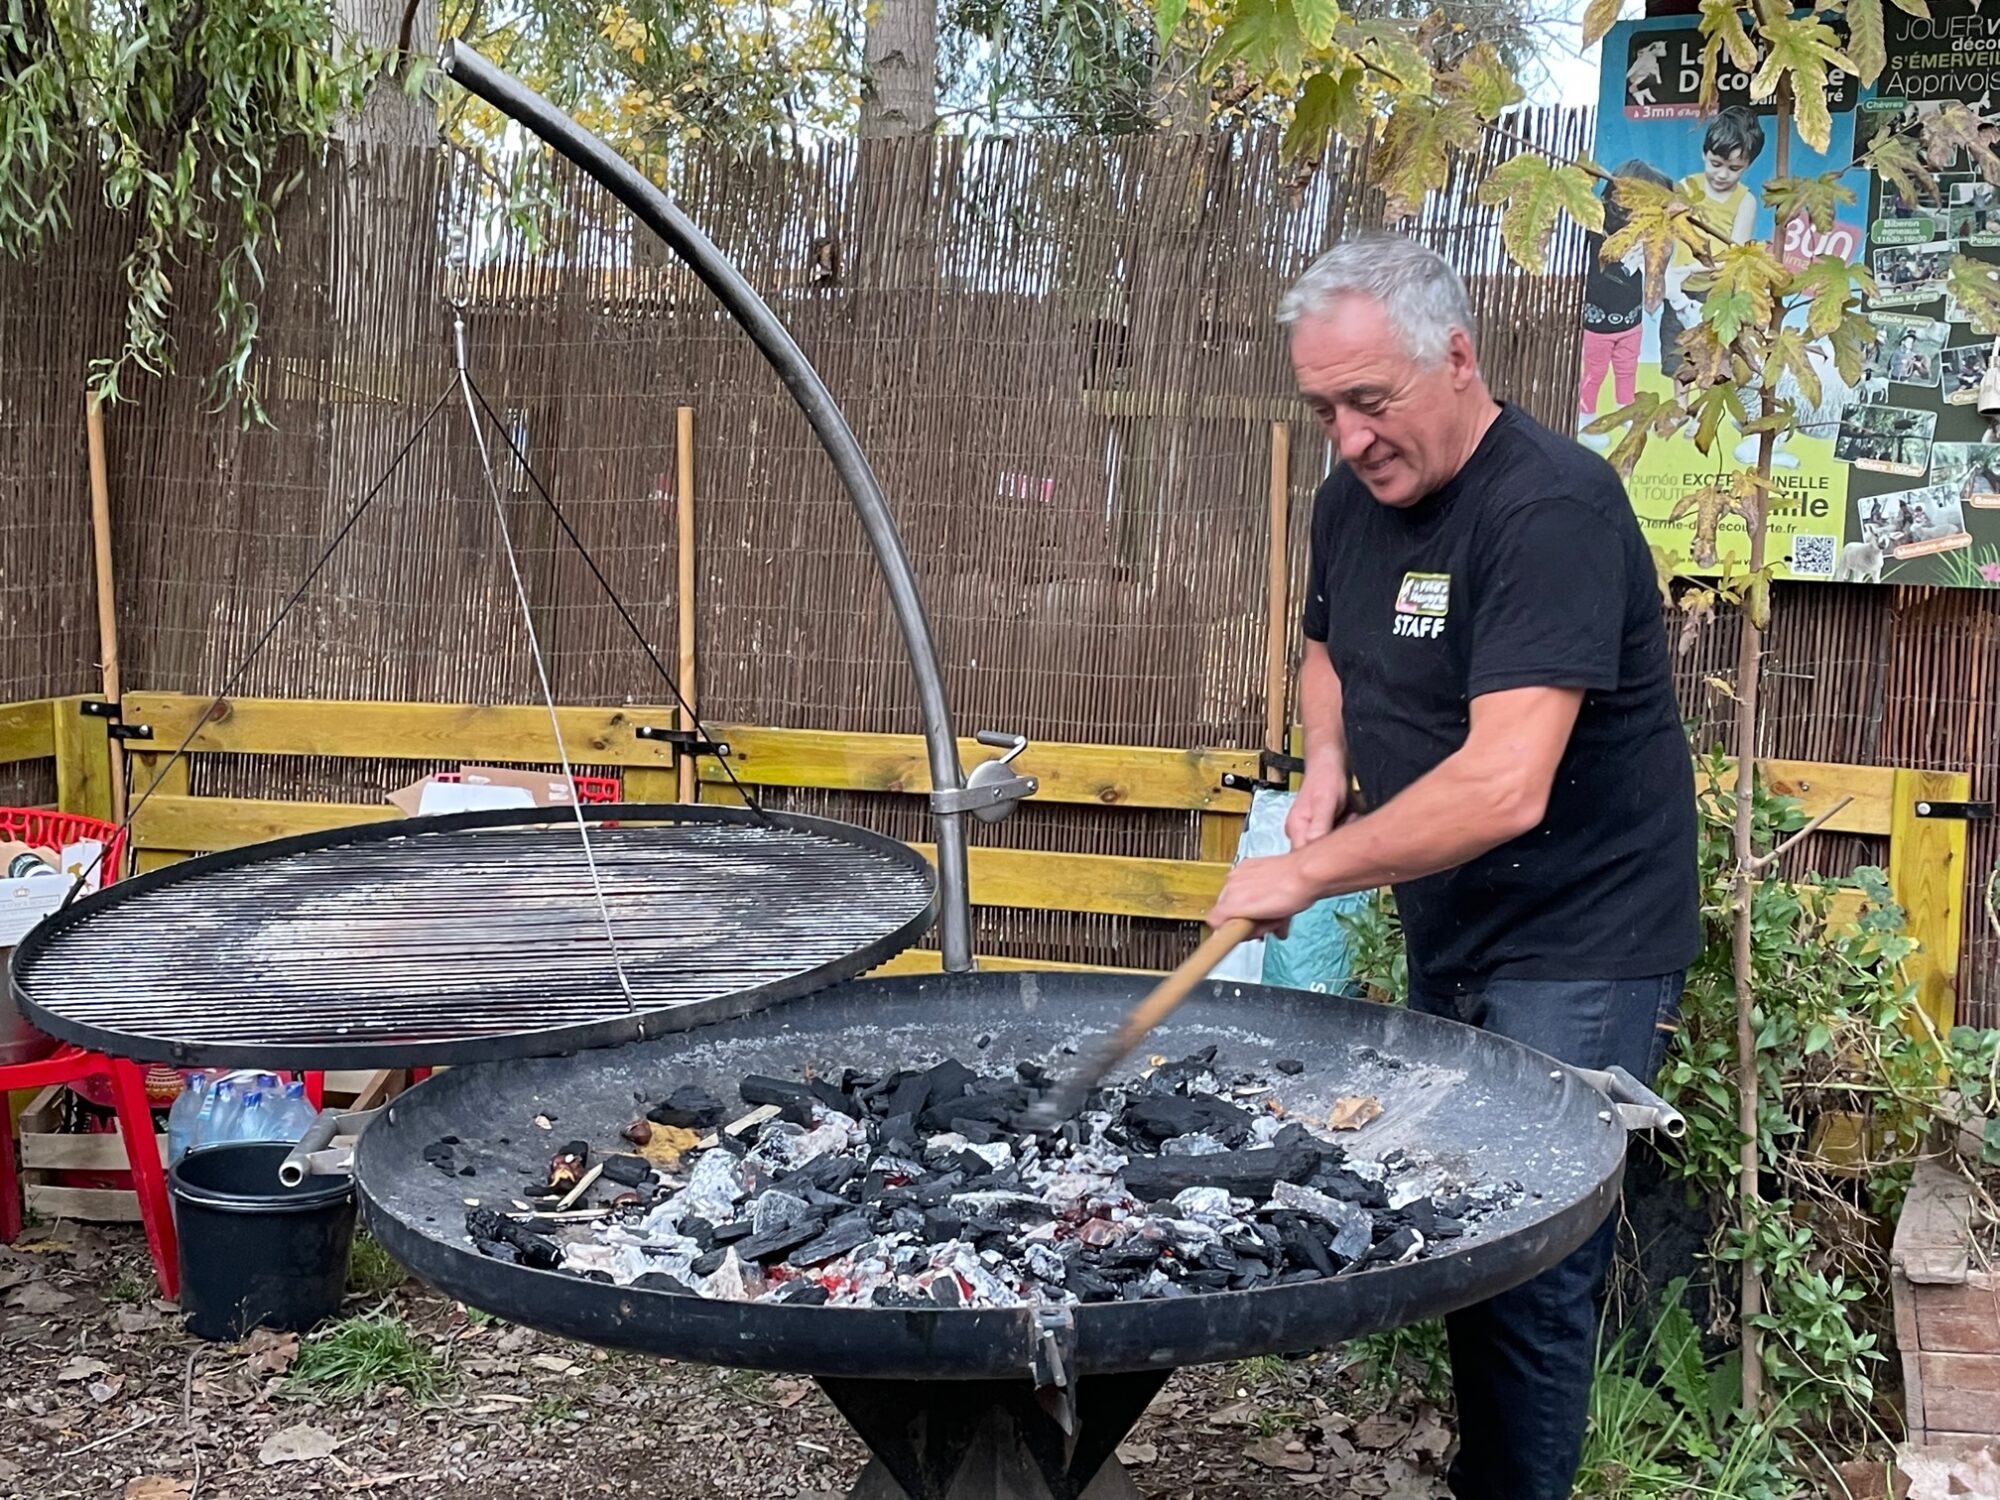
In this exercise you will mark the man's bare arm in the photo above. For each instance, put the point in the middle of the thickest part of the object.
(1323, 791)
(1495, 787)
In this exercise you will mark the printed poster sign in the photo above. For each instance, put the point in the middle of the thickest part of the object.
(1894, 478)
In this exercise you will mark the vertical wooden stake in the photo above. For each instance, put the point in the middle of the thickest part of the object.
(107, 604)
(684, 552)
(1277, 621)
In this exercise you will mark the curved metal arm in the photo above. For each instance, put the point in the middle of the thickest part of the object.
(657, 212)
(1639, 1108)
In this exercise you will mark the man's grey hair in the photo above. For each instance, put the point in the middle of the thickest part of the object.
(1418, 290)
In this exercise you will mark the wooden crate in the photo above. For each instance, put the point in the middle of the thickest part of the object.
(1947, 1316)
(47, 1151)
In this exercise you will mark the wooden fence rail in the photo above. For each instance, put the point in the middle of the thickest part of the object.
(1925, 856)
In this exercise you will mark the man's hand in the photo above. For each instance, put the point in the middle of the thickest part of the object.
(1269, 890)
(1321, 800)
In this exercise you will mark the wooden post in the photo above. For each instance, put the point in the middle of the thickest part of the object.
(684, 510)
(1277, 622)
(107, 603)
(1927, 877)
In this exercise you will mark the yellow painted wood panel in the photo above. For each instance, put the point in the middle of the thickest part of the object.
(206, 824)
(1819, 785)
(27, 730)
(1042, 880)
(1927, 875)
(1104, 775)
(403, 731)
(930, 961)
(83, 760)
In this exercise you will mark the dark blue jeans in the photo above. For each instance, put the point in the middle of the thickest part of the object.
(1522, 1362)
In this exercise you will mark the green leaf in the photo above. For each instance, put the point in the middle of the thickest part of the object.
(1727, 312)
(1894, 158)
(1816, 198)
(1722, 24)
(1167, 17)
(1828, 283)
(1317, 20)
(1818, 1038)
(1389, 48)
(1599, 17)
(1864, 39)
(1801, 48)
(1989, 1142)
(1482, 80)
(1972, 286)
(1326, 106)
(1536, 192)
(1708, 409)
(1415, 155)
(1787, 354)
(1265, 35)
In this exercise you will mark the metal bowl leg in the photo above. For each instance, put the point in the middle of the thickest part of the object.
(992, 1439)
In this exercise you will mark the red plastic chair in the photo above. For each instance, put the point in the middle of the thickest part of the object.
(70, 1065)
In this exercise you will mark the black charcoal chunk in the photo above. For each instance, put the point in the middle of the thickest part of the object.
(841, 1236)
(627, 1171)
(732, 1233)
(945, 1292)
(1244, 1174)
(660, 1281)
(709, 1264)
(941, 1226)
(1291, 1067)
(804, 1294)
(891, 1296)
(794, 1101)
(781, 1239)
(834, 1099)
(700, 1231)
(483, 1224)
(689, 1107)
(1162, 1117)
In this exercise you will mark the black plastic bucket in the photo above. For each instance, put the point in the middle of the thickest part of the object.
(254, 1251)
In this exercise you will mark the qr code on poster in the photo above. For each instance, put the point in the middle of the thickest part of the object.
(1813, 556)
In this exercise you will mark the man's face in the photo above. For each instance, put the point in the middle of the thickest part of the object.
(1723, 170)
(1402, 426)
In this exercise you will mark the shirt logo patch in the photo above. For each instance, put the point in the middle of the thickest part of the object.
(1422, 603)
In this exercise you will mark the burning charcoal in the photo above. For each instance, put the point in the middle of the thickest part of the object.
(1162, 1117)
(1291, 1067)
(1303, 1247)
(1243, 1174)
(1088, 1285)
(938, 1190)
(567, 1165)
(804, 1294)
(890, 1296)
(945, 1292)
(689, 1107)
(638, 1132)
(908, 1221)
(483, 1224)
(660, 1281)
(975, 1132)
(779, 1210)
(1045, 1262)
(627, 1171)
(1194, 1072)
(709, 1264)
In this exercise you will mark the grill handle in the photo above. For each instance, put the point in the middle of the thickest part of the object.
(317, 1154)
(1639, 1108)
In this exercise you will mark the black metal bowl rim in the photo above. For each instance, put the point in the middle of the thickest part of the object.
(637, 1025)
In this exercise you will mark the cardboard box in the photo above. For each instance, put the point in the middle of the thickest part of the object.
(477, 787)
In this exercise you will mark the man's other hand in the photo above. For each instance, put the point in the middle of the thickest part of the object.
(1317, 807)
(1269, 890)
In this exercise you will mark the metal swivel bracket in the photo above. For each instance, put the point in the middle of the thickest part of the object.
(990, 789)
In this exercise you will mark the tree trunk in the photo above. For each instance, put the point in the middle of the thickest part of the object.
(1180, 98)
(391, 116)
(899, 77)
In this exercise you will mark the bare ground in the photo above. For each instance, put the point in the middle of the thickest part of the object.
(105, 1397)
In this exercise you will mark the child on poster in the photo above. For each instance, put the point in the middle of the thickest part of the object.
(1723, 204)
(1614, 308)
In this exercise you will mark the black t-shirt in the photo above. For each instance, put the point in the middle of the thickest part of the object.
(1612, 300)
(1528, 569)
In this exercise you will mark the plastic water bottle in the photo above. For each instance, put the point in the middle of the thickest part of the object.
(293, 1113)
(218, 1117)
(253, 1120)
(181, 1118)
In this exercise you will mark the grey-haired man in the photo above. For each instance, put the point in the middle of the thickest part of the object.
(1485, 657)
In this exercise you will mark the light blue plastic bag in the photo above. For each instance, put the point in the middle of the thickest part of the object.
(1316, 953)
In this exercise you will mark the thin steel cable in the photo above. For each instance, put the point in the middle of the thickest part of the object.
(236, 673)
(617, 603)
(535, 650)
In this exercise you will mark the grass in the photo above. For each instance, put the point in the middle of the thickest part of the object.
(371, 1271)
(552, 1409)
(364, 1354)
(1417, 1354)
(1260, 1368)
(126, 1290)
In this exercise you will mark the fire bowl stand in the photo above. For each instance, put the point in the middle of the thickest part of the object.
(992, 1439)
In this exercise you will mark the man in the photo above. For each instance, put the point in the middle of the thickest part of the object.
(1485, 656)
